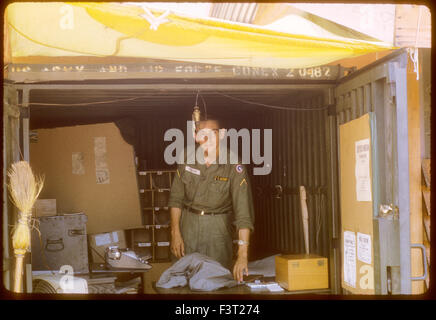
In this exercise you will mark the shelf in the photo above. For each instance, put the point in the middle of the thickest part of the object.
(157, 226)
(154, 190)
(143, 245)
(158, 172)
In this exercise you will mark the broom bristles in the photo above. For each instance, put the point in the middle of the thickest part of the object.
(24, 189)
(21, 238)
(23, 186)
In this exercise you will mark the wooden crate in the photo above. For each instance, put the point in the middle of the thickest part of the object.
(302, 272)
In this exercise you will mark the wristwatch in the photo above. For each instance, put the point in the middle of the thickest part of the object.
(240, 242)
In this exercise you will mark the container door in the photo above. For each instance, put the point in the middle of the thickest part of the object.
(11, 117)
(15, 148)
(372, 127)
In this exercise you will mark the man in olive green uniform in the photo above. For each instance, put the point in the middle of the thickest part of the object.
(205, 200)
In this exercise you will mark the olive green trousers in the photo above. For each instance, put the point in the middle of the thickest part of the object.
(210, 235)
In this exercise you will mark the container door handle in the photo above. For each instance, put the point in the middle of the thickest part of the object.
(424, 260)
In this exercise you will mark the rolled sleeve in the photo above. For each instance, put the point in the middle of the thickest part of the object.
(177, 192)
(242, 198)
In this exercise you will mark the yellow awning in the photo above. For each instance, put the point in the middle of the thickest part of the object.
(119, 30)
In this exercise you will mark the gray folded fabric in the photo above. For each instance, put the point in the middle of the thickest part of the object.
(265, 266)
(198, 271)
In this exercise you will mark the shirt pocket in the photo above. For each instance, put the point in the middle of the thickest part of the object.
(218, 193)
(190, 182)
(221, 187)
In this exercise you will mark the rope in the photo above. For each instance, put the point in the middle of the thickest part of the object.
(272, 106)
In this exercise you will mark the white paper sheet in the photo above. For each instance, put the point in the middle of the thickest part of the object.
(350, 258)
(274, 287)
(114, 237)
(103, 239)
(77, 163)
(363, 180)
(101, 167)
(364, 247)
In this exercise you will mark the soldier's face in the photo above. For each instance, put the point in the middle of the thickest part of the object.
(208, 135)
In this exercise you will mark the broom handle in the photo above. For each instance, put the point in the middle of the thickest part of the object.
(18, 272)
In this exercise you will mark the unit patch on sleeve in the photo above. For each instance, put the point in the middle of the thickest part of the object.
(239, 168)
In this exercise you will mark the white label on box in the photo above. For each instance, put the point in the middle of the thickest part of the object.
(157, 226)
(363, 181)
(159, 173)
(103, 239)
(163, 244)
(142, 173)
(114, 236)
(350, 258)
(364, 247)
(144, 244)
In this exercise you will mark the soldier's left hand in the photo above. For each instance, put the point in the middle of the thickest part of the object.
(240, 268)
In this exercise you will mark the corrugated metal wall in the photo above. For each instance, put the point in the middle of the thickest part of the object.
(151, 143)
(299, 159)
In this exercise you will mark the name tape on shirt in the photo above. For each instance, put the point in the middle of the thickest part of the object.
(218, 178)
(192, 170)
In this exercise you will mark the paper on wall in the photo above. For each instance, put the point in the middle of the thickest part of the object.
(364, 247)
(350, 258)
(77, 161)
(363, 180)
(101, 167)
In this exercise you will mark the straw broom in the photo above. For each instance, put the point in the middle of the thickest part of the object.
(24, 189)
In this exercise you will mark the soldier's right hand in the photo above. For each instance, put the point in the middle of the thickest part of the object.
(177, 245)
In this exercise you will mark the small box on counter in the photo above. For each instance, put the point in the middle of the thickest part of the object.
(302, 272)
(44, 208)
(99, 242)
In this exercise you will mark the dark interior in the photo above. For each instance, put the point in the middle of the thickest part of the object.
(298, 145)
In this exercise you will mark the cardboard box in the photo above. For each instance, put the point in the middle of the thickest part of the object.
(78, 185)
(44, 208)
(302, 272)
(99, 242)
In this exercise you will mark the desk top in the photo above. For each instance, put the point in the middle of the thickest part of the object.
(237, 290)
(103, 268)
